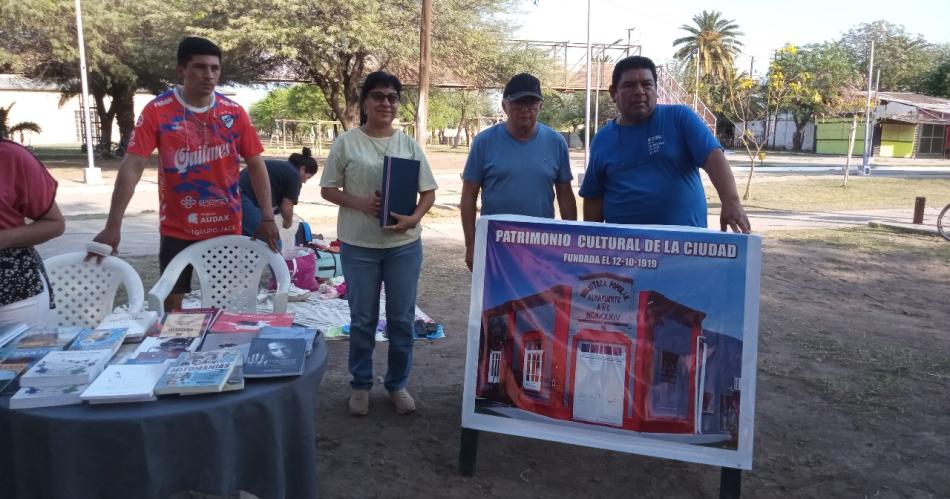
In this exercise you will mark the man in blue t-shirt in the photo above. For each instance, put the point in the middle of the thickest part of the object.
(519, 165)
(644, 165)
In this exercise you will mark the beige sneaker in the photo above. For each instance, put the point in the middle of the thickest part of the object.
(359, 403)
(403, 401)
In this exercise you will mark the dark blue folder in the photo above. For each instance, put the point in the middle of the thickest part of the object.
(400, 188)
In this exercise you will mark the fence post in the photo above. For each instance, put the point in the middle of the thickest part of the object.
(919, 204)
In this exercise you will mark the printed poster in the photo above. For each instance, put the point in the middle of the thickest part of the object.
(638, 339)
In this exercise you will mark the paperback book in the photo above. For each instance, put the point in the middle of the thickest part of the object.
(135, 323)
(33, 397)
(99, 339)
(270, 357)
(154, 350)
(308, 334)
(66, 367)
(9, 332)
(199, 372)
(125, 383)
(47, 337)
(216, 341)
(185, 324)
(238, 322)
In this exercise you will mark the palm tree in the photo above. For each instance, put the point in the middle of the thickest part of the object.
(713, 40)
(7, 130)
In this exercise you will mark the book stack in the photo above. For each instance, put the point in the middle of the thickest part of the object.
(66, 367)
(199, 372)
(25, 349)
(235, 329)
(33, 397)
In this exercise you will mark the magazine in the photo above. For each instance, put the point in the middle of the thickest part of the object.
(269, 357)
(199, 372)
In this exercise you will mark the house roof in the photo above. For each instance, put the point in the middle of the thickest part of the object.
(917, 100)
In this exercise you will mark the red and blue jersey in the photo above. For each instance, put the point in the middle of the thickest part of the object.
(199, 159)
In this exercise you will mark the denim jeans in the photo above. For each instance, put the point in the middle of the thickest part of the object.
(365, 269)
(250, 216)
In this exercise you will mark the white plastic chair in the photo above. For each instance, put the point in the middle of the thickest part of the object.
(84, 292)
(229, 270)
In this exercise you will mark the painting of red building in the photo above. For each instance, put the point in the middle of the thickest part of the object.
(600, 352)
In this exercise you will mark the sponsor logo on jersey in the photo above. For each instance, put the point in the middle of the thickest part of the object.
(163, 102)
(186, 158)
(213, 202)
(194, 218)
(188, 201)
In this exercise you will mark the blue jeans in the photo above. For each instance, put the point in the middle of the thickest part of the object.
(365, 269)
(250, 216)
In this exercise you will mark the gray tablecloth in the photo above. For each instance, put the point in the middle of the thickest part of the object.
(260, 440)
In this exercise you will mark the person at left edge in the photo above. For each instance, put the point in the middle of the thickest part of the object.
(201, 136)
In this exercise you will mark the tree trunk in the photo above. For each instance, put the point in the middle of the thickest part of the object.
(799, 138)
(105, 125)
(847, 163)
(124, 104)
(458, 131)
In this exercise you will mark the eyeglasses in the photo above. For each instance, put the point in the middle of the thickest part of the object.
(379, 97)
(527, 104)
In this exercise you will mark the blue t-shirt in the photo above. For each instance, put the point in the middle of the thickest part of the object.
(648, 173)
(517, 178)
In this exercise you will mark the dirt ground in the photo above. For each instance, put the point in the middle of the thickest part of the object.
(854, 372)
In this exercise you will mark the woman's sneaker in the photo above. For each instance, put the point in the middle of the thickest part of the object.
(359, 402)
(403, 401)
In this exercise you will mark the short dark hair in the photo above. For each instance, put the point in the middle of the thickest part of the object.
(377, 79)
(195, 45)
(632, 62)
(305, 160)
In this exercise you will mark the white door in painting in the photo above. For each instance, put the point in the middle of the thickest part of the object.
(598, 383)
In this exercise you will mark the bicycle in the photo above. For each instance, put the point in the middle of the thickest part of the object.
(943, 222)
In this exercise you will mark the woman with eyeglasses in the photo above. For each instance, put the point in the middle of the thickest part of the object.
(372, 255)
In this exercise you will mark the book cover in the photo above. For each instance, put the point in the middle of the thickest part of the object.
(47, 337)
(99, 339)
(136, 323)
(185, 324)
(275, 357)
(156, 350)
(33, 397)
(125, 383)
(237, 322)
(9, 332)
(308, 334)
(199, 372)
(66, 367)
(217, 341)
(400, 188)
(21, 359)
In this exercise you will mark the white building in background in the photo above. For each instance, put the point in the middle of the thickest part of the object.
(62, 124)
(781, 133)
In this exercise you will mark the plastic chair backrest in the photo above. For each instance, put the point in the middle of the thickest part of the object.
(229, 270)
(84, 292)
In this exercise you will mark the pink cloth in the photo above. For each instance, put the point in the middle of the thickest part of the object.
(27, 190)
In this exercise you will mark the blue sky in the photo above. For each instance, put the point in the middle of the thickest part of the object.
(767, 25)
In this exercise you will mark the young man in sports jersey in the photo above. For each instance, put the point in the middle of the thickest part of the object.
(201, 137)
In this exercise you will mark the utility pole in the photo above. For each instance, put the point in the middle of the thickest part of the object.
(587, 98)
(600, 75)
(865, 163)
(92, 174)
(422, 110)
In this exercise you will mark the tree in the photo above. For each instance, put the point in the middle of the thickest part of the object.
(902, 58)
(712, 43)
(751, 101)
(937, 81)
(301, 102)
(334, 44)
(7, 130)
(821, 73)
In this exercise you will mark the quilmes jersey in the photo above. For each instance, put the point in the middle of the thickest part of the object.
(199, 154)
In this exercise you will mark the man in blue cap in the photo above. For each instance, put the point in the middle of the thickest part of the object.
(519, 165)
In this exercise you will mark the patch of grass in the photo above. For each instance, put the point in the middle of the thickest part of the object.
(870, 241)
(825, 193)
